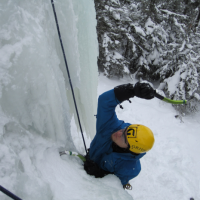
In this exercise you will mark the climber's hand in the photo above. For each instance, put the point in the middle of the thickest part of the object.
(144, 90)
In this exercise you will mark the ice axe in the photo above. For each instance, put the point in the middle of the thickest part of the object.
(150, 92)
(169, 100)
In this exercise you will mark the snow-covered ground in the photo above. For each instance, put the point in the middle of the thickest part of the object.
(171, 169)
(37, 120)
(32, 168)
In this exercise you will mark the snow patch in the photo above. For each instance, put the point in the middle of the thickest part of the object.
(126, 70)
(115, 2)
(139, 30)
(149, 26)
(154, 56)
(173, 82)
(197, 96)
(117, 56)
(116, 15)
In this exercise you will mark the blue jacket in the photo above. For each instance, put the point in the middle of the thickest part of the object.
(124, 165)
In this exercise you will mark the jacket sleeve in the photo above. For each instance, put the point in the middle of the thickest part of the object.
(107, 123)
(107, 103)
(106, 116)
(125, 170)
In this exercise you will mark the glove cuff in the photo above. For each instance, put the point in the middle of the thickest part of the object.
(124, 92)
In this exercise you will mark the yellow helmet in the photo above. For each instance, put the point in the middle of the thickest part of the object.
(140, 138)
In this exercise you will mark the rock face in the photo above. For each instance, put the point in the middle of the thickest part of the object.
(155, 40)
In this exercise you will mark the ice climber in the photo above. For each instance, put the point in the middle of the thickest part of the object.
(118, 146)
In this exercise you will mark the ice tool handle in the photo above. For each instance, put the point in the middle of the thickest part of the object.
(169, 100)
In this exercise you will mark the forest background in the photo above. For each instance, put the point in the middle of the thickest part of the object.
(153, 40)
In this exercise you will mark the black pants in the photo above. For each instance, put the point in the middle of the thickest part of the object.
(93, 169)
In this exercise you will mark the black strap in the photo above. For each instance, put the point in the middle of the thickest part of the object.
(92, 168)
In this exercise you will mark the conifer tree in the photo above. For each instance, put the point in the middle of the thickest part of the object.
(155, 40)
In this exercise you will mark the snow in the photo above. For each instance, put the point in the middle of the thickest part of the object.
(37, 119)
(106, 39)
(197, 96)
(172, 13)
(139, 30)
(171, 169)
(36, 106)
(115, 2)
(183, 46)
(150, 26)
(116, 15)
(117, 55)
(154, 56)
(173, 82)
(126, 70)
(107, 7)
(179, 25)
(31, 57)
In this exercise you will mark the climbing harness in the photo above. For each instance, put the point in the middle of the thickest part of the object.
(58, 29)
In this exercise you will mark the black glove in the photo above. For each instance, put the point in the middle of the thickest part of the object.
(144, 90)
(124, 92)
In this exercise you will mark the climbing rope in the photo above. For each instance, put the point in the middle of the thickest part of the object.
(58, 29)
(8, 193)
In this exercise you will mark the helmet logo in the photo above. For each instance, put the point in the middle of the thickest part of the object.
(132, 133)
(140, 138)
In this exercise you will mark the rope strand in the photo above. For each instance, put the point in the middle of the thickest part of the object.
(58, 29)
(8, 193)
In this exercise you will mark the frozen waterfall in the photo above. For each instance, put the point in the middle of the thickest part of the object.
(36, 106)
(34, 86)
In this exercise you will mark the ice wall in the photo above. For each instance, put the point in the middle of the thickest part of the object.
(81, 47)
(36, 107)
(34, 87)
